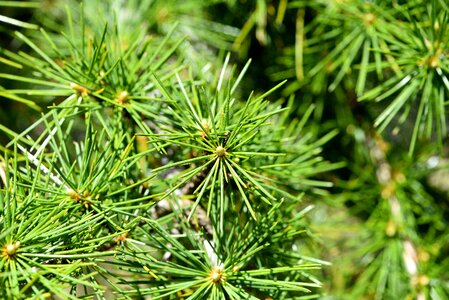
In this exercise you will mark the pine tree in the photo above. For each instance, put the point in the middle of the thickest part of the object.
(224, 149)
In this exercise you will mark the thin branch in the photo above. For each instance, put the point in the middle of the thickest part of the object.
(384, 177)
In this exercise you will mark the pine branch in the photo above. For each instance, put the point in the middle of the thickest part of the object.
(385, 178)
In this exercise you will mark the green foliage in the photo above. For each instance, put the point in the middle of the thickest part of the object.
(229, 266)
(153, 163)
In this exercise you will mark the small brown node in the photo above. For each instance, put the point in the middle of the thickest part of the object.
(121, 238)
(79, 89)
(389, 190)
(421, 281)
(220, 152)
(391, 228)
(217, 276)
(74, 195)
(122, 98)
(162, 15)
(369, 19)
(433, 61)
(10, 250)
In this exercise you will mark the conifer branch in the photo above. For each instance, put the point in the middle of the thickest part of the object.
(386, 179)
(142, 159)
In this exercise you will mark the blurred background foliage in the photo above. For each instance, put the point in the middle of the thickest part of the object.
(375, 73)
